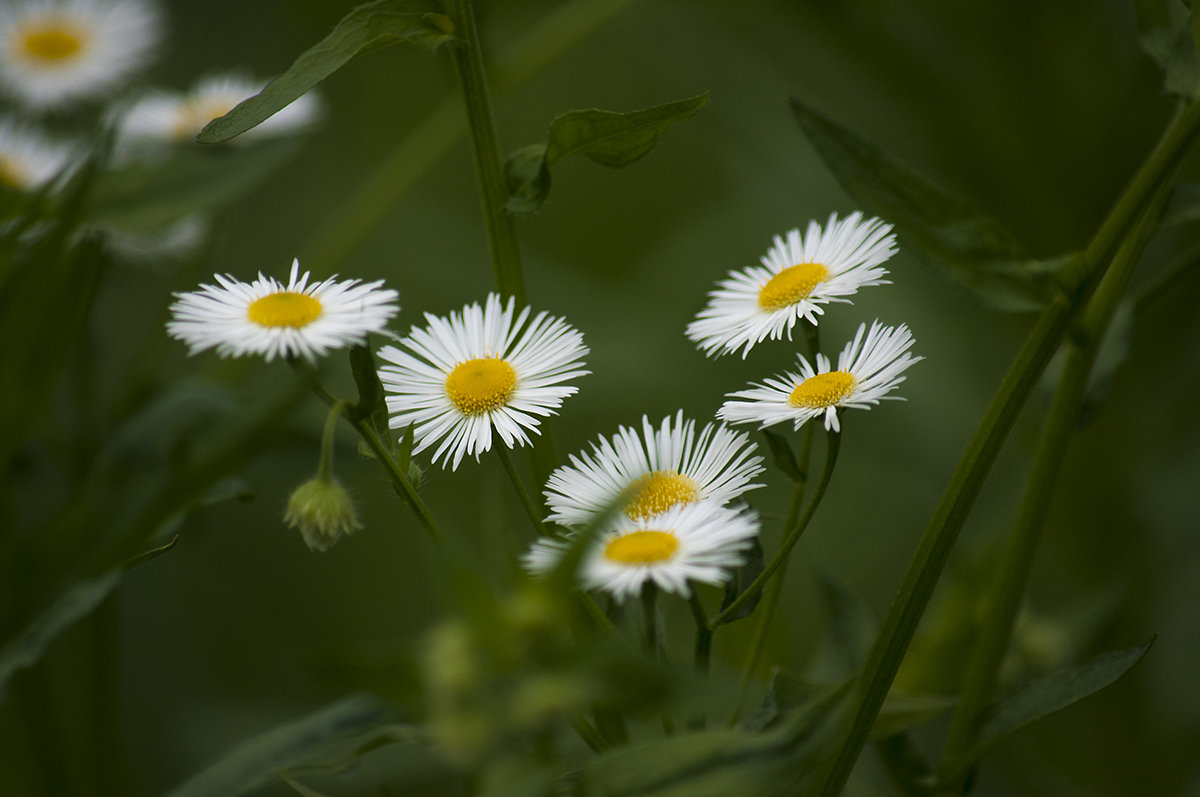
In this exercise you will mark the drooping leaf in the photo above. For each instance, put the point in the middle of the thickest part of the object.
(608, 138)
(974, 250)
(782, 455)
(1110, 356)
(1183, 206)
(1043, 697)
(148, 196)
(852, 626)
(743, 577)
(718, 763)
(368, 27)
(260, 760)
(1165, 31)
(73, 604)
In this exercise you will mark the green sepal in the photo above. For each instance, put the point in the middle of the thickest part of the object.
(368, 27)
(608, 138)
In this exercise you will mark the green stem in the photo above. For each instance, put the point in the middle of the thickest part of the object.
(531, 510)
(650, 618)
(938, 540)
(429, 141)
(500, 225)
(995, 631)
(833, 442)
(703, 648)
(382, 455)
(325, 466)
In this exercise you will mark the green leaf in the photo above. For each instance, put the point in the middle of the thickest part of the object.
(144, 197)
(722, 762)
(367, 27)
(260, 760)
(1183, 206)
(73, 604)
(782, 455)
(906, 765)
(1045, 696)
(743, 577)
(608, 138)
(974, 250)
(1165, 31)
(852, 626)
(1110, 356)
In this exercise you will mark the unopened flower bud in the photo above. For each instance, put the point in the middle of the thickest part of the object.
(323, 511)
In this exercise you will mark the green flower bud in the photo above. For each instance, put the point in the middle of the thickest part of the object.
(322, 510)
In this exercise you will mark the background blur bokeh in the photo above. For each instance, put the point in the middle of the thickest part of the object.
(1035, 112)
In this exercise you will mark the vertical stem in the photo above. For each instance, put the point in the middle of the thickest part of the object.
(650, 618)
(703, 648)
(1078, 281)
(501, 229)
(530, 508)
(995, 632)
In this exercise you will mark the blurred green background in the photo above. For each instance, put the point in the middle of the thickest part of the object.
(1036, 112)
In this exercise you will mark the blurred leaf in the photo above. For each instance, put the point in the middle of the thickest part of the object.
(147, 196)
(974, 250)
(902, 712)
(905, 765)
(303, 790)
(1183, 206)
(608, 138)
(262, 759)
(76, 602)
(743, 577)
(1044, 697)
(368, 27)
(1165, 31)
(1110, 356)
(852, 625)
(782, 455)
(719, 763)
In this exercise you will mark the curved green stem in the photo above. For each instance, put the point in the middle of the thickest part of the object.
(995, 631)
(382, 455)
(489, 168)
(1078, 282)
(531, 510)
(833, 442)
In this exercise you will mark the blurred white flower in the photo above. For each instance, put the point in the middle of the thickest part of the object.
(28, 159)
(57, 51)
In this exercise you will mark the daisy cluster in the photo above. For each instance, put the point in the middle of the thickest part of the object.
(63, 61)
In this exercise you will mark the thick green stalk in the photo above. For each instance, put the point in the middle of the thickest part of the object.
(832, 443)
(1080, 279)
(436, 134)
(995, 631)
(489, 168)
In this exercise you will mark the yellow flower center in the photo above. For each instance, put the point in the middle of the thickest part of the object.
(51, 41)
(822, 390)
(641, 547)
(657, 492)
(284, 309)
(791, 285)
(193, 116)
(479, 386)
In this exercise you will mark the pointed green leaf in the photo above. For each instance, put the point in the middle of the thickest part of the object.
(782, 455)
(367, 27)
(608, 138)
(73, 604)
(260, 760)
(1046, 696)
(743, 577)
(1165, 31)
(975, 250)
(852, 625)
(1183, 206)
(722, 762)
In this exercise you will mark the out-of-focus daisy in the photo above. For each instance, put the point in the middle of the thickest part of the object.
(869, 368)
(270, 318)
(692, 542)
(56, 51)
(28, 159)
(797, 276)
(163, 117)
(657, 470)
(462, 376)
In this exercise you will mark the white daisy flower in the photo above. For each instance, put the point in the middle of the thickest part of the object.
(796, 277)
(28, 160)
(691, 542)
(868, 369)
(55, 51)
(266, 317)
(463, 375)
(657, 470)
(164, 117)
